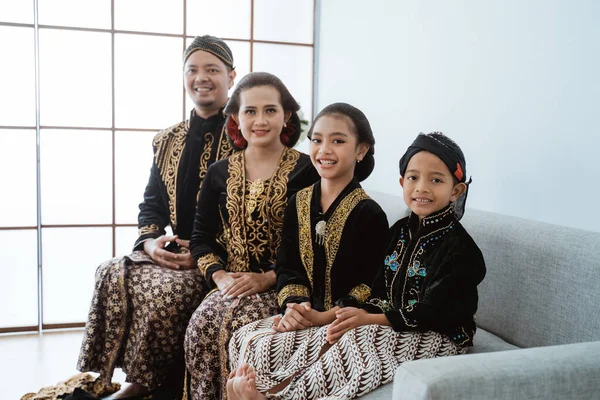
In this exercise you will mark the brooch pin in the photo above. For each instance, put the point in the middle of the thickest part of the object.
(320, 231)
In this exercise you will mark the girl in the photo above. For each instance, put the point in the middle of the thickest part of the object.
(423, 301)
(238, 223)
(334, 236)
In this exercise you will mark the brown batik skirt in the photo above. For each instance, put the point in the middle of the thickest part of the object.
(208, 334)
(138, 318)
(362, 360)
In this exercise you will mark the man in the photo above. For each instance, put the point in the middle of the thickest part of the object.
(142, 302)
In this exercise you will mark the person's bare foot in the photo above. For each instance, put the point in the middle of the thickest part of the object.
(133, 389)
(241, 384)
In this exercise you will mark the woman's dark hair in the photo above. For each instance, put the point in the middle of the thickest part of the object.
(289, 134)
(361, 127)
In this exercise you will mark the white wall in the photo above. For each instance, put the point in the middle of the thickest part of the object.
(515, 82)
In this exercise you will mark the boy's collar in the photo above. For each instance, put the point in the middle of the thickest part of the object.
(434, 221)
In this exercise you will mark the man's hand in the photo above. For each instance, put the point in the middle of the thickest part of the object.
(155, 248)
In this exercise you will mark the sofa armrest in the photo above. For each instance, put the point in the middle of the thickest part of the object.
(555, 372)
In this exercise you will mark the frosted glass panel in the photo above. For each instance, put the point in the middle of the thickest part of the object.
(75, 78)
(17, 79)
(70, 258)
(284, 20)
(223, 18)
(293, 65)
(18, 202)
(76, 174)
(125, 238)
(16, 11)
(148, 81)
(241, 62)
(87, 13)
(18, 286)
(133, 153)
(149, 15)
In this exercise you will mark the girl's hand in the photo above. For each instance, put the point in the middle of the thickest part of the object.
(295, 318)
(347, 318)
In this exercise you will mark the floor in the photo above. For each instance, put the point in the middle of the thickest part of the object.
(29, 362)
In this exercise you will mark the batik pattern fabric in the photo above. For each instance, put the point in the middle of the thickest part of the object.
(137, 320)
(237, 228)
(208, 334)
(139, 310)
(361, 361)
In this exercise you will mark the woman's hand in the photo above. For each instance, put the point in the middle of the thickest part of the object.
(347, 318)
(244, 284)
(155, 248)
(222, 279)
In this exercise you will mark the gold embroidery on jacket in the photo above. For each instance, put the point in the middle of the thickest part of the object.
(279, 198)
(303, 198)
(292, 290)
(361, 292)
(206, 261)
(256, 214)
(144, 230)
(236, 249)
(169, 146)
(265, 225)
(333, 233)
(224, 149)
(209, 138)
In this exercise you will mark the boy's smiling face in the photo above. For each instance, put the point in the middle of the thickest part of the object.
(428, 184)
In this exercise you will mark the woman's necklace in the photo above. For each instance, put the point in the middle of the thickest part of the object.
(255, 189)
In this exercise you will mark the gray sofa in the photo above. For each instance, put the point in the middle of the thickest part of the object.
(538, 321)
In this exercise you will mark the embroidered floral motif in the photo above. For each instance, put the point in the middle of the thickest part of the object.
(391, 261)
(416, 269)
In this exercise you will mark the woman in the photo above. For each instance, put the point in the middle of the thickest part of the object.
(239, 218)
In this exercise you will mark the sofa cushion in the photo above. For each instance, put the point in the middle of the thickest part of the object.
(381, 393)
(485, 342)
(543, 283)
(570, 371)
